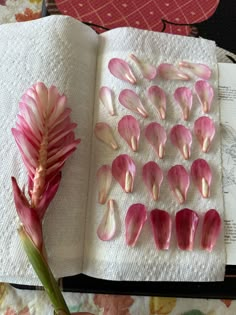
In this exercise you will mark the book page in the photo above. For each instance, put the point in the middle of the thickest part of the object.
(58, 51)
(227, 96)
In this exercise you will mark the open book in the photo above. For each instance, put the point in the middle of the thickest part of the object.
(63, 52)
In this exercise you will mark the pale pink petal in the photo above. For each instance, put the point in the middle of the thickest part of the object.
(135, 218)
(104, 133)
(204, 129)
(178, 179)
(121, 70)
(106, 97)
(211, 229)
(161, 228)
(202, 176)
(124, 170)
(181, 138)
(205, 94)
(184, 98)
(128, 128)
(186, 222)
(148, 71)
(107, 227)
(200, 70)
(156, 136)
(131, 100)
(104, 179)
(157, 97)
(152, 177)
(168, 71)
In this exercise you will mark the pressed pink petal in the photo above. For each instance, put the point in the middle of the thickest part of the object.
(104, 179)
(202, 176)
(199, 69)
(148, 71)
(205, 94)
(135, 218)
(106, 97)
(184, 98)
(178, 179)
(129, 130)
(157, 97)
(124, 170)
(168, 71)
(152, 177)
(211, 229)
(204, 129)
(161, 228)
(130, 100)
(107, 228)
(186, 222)
(104, 133)
(121, 70)
(181, 138)
(156, 136)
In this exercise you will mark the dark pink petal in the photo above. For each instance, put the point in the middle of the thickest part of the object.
(121, 69)
(204, 129)
(211, 229)
(104, 133)
(148, 71)
(104, 178)
(178, 179)
(186, 222)
(135, 218)
(168, 71)
(156, 136)
(202, 175)
(130, 100)
(107, 228)
(129, 130)
(157, 97)
(205, 94)
(181, 138)
(199, 69)
(106, 97)
(152, 177)
(184, 98)
(161, 228)
(123, 170)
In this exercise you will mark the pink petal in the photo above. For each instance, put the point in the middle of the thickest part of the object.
(201, 175)
(161, 228)
(178, 179)
(148, 71)
(152, 177)
(168, 71)
(205, 94)
(135, 218)
(124, 170)
(129, 130)
(199, 69)
(121, 69)
(204, 130)
(211, 229)
(104, 133)
(184, 98)
(181, 138)
(156, 136)
(130, 100)
(186, 222)
(157, 97)
(106, 97)
(107, 228)
(104, 178)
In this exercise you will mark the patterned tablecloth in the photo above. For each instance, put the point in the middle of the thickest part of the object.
(176, 17)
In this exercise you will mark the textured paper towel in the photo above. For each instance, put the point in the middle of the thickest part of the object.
(114, 260)
(60, 51)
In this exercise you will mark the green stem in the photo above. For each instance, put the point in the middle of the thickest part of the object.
(44, 274)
